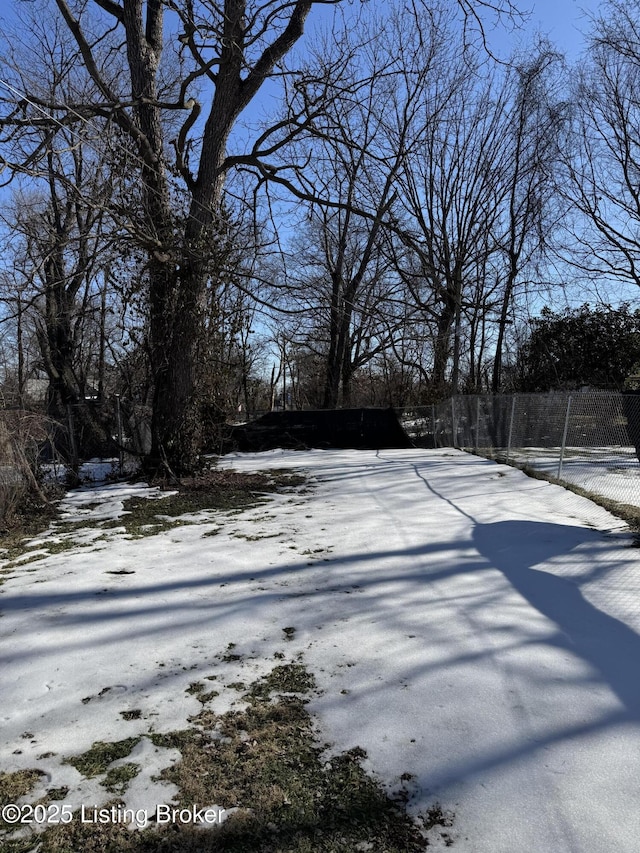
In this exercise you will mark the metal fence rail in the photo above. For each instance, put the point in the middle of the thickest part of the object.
(588, 439)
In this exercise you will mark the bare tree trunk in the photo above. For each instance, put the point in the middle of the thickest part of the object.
(102, 344)
(442, 346)
(21, 360)
(334, 359)
(347, 374)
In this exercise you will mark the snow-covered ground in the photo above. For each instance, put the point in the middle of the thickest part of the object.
(610, 472)
(477, 632)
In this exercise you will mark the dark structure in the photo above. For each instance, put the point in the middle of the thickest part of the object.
(631, 409)
(323, 428)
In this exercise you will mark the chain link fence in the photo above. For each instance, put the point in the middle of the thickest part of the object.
(587, 439)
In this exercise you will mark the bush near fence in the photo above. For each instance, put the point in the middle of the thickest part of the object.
(31, 443)
(22, 434)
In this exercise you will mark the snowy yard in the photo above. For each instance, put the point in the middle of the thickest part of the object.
(475, 631)
(608, 472)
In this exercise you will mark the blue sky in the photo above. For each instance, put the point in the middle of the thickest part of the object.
(564, 21)
(561, 20)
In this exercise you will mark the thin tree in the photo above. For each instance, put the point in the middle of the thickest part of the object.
(355, 154)
(538, 117)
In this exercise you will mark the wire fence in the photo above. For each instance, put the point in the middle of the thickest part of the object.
(587, 439)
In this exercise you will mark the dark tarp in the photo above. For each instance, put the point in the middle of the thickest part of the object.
(346, 428)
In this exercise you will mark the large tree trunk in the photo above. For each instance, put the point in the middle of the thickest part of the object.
(339, 356)
(171, 372)
(339, 367)
(177, 327)
(176, 331)
(179, 250)
(442, 347)
(347, 377)
(57, 349)
(177, 265)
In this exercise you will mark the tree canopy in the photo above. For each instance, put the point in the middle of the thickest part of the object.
(595, 347)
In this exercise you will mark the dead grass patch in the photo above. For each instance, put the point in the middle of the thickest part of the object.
(25, 526)
(96, 760)
(266, 762)
(117, 779)
(217, 489)
(18, 784)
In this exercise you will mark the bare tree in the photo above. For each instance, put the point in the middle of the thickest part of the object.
(538, 118)
(174, 76)
(451, 199)
(603, 163)
(473, 214)
(58, 250)
(354, 154)
(190, 69)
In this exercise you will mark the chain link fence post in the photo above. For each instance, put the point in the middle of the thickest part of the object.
(433, 424)
(563, 446)
(454, 425)
(511, 419)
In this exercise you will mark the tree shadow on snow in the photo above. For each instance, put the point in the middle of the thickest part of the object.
(612, 648)
(517, 549)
